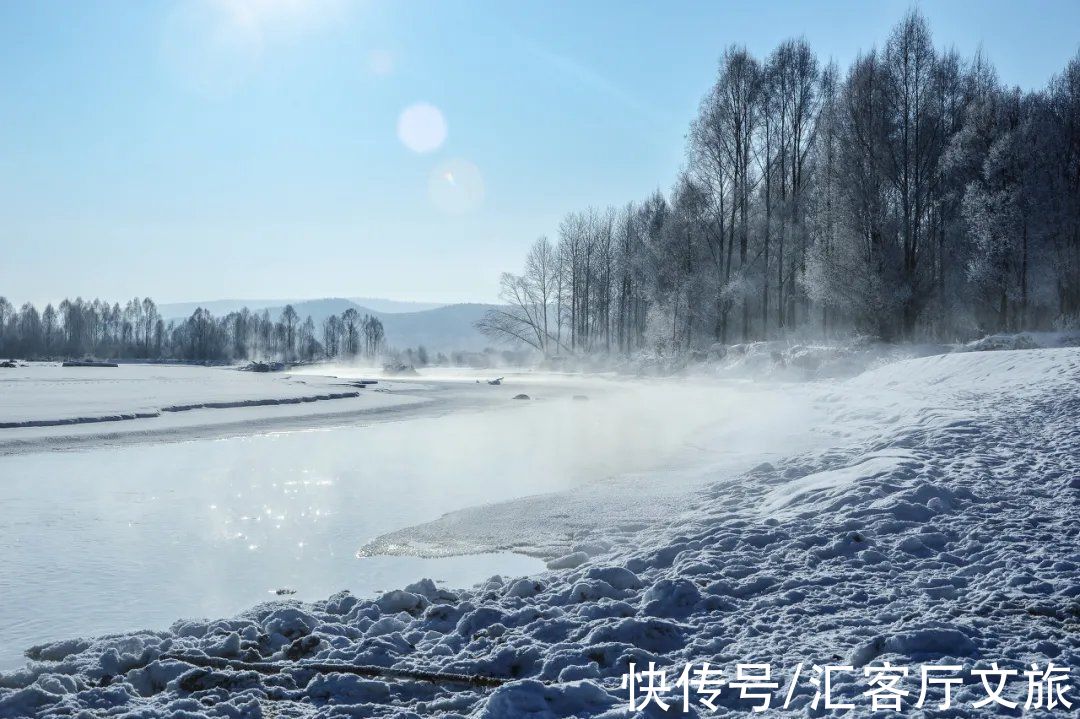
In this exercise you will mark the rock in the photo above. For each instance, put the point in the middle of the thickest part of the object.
(396, 369)
(521, 396)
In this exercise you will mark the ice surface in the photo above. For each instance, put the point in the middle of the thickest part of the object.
(937, 524)
(49, 393)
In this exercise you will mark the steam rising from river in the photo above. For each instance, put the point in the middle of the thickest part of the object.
(211, 527)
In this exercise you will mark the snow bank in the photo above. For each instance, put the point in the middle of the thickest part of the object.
(45, 395)
(944, 532)
(796, 360)
(1023, 341)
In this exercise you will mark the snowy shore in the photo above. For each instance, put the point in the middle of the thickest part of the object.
(939, 525)
(47, 394)
(48, 407)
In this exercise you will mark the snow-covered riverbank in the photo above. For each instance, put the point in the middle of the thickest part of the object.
(46, 406)
(938, 525)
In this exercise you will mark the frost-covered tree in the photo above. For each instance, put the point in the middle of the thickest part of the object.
(908, 195)
(530, 302)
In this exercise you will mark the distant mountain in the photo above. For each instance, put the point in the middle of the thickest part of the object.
(382, 305)
(440, 329)
(320, 309)
(183, 310)
(176, 310)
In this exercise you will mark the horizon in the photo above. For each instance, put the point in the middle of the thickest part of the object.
(220, 148)
(290, 300)
(253, 302)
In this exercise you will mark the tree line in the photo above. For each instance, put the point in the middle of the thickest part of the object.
(80, 328)
(913, 196)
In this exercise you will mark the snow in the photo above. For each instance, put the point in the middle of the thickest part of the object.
(46, 406)
(866, 467)
(933, 519)
(51, 393)
(1024, 340)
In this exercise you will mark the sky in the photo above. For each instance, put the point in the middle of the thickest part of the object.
(204, 149)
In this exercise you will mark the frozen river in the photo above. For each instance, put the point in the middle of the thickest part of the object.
(114, 536)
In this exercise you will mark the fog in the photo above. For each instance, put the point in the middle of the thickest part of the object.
(121, 538)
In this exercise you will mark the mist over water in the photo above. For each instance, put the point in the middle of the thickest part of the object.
(124, 538)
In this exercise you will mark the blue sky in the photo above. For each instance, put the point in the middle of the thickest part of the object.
(252, 148)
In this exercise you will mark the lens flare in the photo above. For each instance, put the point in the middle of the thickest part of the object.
(380, 63)
(456, 187)
(421, 127)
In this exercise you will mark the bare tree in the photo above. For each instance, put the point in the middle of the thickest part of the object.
(530, 299)
(289, 318)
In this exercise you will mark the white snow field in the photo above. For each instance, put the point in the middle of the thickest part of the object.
(932, 517)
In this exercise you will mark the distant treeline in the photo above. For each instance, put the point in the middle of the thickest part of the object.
(912, 195)
(136, 330)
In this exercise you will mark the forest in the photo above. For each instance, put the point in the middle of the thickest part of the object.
(911, 196)
(78, 328)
